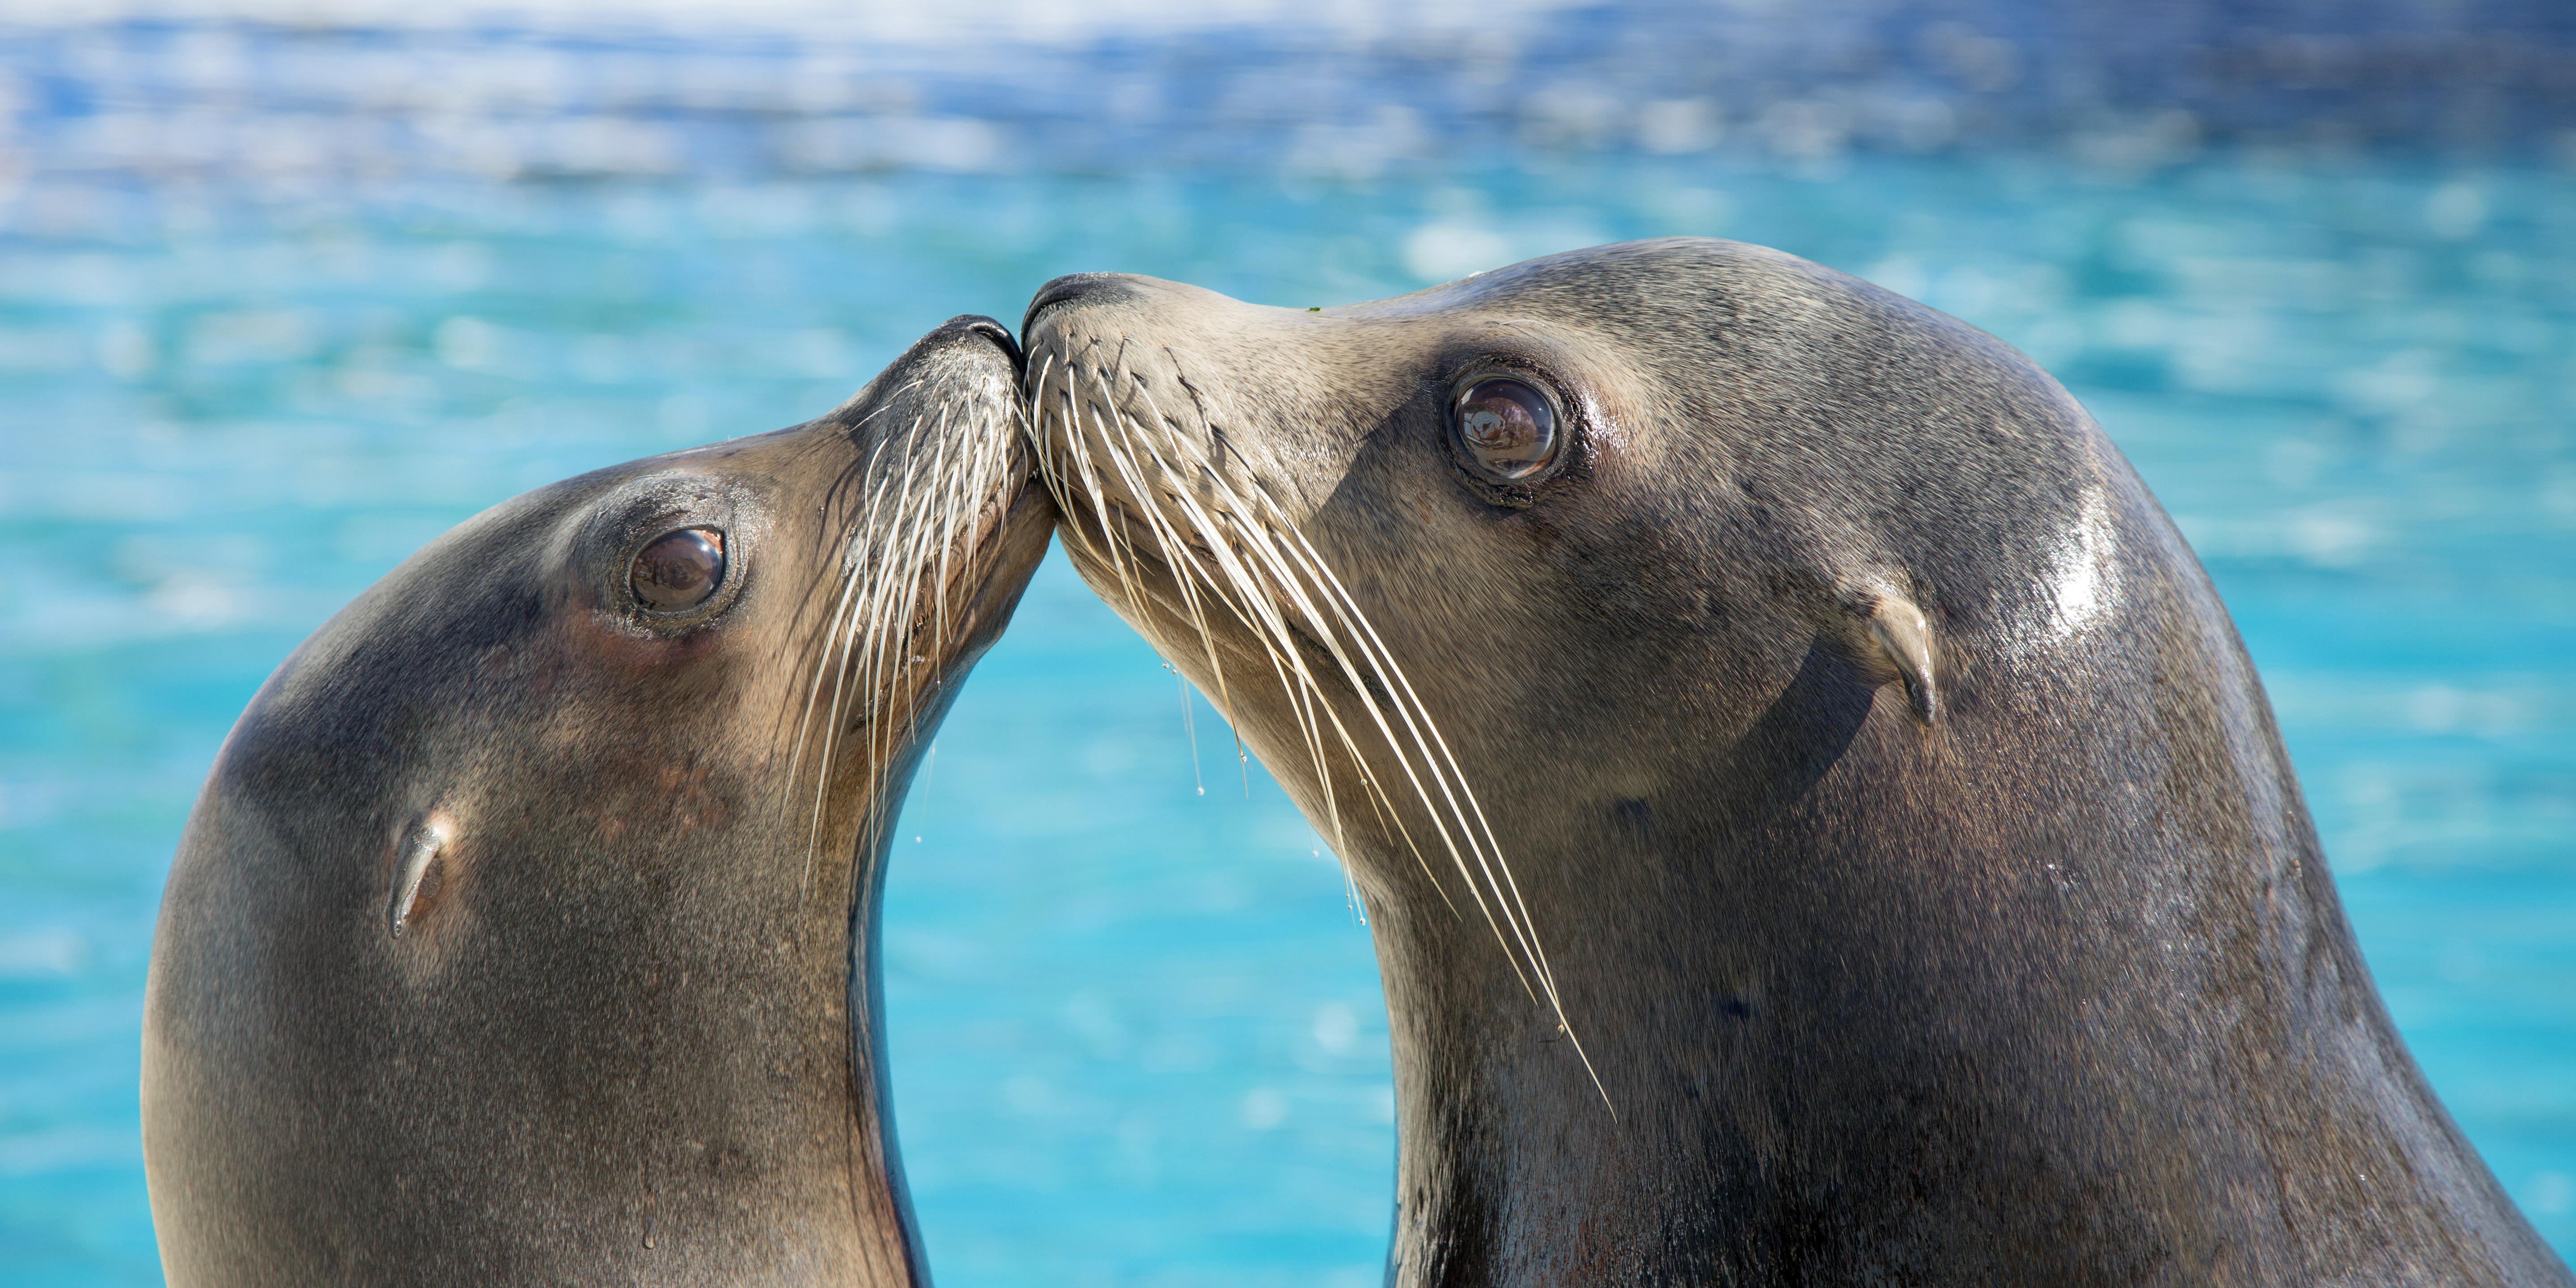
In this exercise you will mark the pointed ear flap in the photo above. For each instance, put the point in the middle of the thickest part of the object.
(1904, 643)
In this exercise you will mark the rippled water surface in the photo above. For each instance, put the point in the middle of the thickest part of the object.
(1136, 1030)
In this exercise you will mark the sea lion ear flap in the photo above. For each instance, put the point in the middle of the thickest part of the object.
(1904, 639)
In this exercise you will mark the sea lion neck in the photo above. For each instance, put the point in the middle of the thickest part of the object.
(1832, 1046)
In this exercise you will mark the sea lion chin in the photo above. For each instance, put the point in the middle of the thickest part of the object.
(523, 932)
(1819, 823)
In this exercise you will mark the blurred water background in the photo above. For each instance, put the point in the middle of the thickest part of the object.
(287, 287)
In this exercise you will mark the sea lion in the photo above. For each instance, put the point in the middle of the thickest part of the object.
(525, 930)
(1897, 875)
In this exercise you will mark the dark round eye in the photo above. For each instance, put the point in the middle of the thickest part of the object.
(1507, 428)
(678, 569)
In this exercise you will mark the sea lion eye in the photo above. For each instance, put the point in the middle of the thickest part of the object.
(1506, 428)
(678, 570)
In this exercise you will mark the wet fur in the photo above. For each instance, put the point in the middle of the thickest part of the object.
(519, 939)
(2043, 982)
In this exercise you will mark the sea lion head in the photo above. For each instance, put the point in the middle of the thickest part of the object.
(524, 930)
(1569, 529)
(1817, 819)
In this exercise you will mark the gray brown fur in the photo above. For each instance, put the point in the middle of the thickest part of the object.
(2037, 977)
(618, 1032)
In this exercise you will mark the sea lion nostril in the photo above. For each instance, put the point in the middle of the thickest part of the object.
(978, 324)
(1077, 286)
(678, 569)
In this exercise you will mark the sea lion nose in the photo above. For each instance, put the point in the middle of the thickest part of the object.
(1085, 288)
(975, 326)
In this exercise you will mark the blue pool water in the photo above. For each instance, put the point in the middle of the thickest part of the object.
(1137, 1038)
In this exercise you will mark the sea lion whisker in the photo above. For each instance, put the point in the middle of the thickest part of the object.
(1270, 627)
(1526, 928)
(1299, 684)
(1061, 489)
(1380, 802)
(954, 533)
(832, 641)
(1448, 776)
(1106, 411)
(1083, 464)
(1487, 856)
(938, 522)
(1305, 694)
(1186, 572)
(1318, 721)
(1217, 481)
(928, 548)
(889, 646)
(1180, 490)
(1384, 803)
(850, 640)
(1284, 664)
(1284, 573)
(1198, 618)
(1113, 542)
(944, 500)
(851, 568)
(1263, 543)
(1081, 454)
(937, 506)
(1325, 634)
(1269, 572)
(844, 632)
(1426, 736)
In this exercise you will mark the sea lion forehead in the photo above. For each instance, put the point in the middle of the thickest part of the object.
(1656, 284)
(1802, 355)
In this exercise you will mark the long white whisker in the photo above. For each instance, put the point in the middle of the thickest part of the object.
(1253, 560)
(1179, 552)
